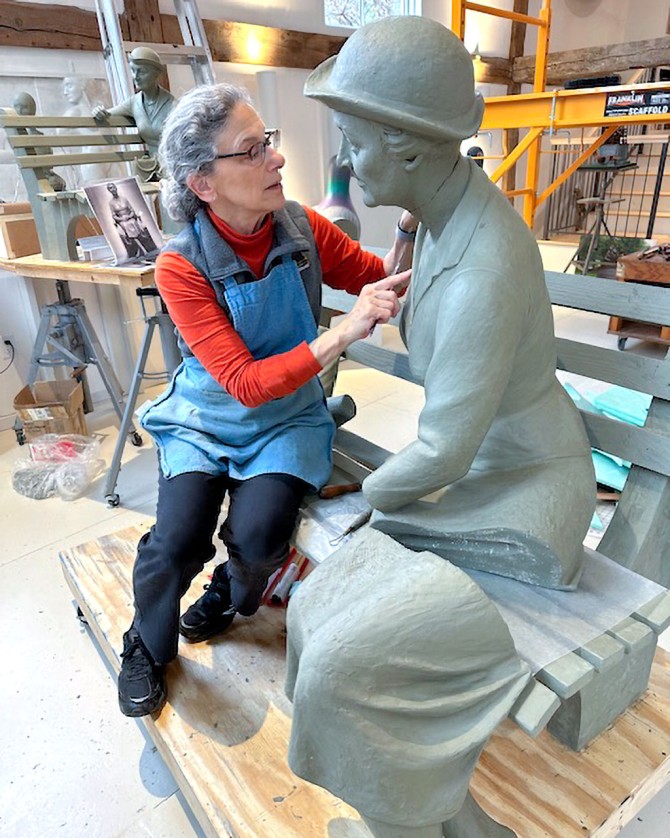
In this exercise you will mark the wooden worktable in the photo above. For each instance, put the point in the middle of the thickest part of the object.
(129, 329)
(102, 273)
(224, 732)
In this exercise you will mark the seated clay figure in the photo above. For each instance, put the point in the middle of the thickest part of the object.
(148, 108)
(25, 105)
(399, 666)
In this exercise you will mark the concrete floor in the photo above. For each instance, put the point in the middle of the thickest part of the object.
(71, 765)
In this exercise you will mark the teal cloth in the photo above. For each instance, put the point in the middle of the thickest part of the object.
(617, 403)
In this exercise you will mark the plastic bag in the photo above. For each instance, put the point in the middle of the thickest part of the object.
(62, 464)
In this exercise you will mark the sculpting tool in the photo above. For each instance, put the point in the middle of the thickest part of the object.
(361, 519)
(329, 492)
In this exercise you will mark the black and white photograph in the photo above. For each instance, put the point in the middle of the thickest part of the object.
(125, 218)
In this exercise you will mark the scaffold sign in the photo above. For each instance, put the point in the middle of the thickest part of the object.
(633, 102)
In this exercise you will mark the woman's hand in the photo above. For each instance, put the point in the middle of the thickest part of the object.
(377, 303)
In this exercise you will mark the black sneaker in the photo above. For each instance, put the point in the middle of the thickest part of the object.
(212, 613)
(142, 687)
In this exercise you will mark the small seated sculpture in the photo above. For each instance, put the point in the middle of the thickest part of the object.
(25, 105)
(148, 108)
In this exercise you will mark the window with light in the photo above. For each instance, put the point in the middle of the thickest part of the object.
(355, 13)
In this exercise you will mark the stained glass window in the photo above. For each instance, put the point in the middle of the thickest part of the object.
(354, 13)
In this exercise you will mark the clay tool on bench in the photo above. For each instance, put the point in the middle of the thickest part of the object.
(335, 491)
(361, 519)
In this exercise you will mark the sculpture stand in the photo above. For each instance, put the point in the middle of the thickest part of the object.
(66, 327)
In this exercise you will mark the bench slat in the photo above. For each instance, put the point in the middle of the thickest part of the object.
(647, 375)
(602, 652)
(64, 140)
(8, 119)
(534, 707)
(384, 360)
(567, 675)
(606, 296)
(37, 161)
(644, 447)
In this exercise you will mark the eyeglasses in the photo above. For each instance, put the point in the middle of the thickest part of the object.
(256, 154)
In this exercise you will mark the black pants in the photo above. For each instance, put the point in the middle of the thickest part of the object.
(261, 517)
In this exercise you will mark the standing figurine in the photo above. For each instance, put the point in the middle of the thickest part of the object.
(148, 108)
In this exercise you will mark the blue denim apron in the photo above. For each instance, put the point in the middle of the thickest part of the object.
(198, 426)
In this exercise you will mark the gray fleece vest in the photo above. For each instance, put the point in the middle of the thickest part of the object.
(211, 256)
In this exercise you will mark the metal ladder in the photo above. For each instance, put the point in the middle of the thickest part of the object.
(195, 51)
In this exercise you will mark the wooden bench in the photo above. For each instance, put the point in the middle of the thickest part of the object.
(41, 143)
(225, 730)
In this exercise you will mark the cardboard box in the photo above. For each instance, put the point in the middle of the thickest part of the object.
(51, 407)
(18, 234)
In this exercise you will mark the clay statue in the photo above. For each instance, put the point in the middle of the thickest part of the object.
(148, 108)
(498, 437)
(74, 93)
(398, 669)
(25, 105)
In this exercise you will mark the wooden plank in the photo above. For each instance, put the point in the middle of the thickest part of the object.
(595, 61)
(144, 21)
(8, 119)
(225, 731)
(605, 296)
(273, 47)
(647, 375)
(643, 446)
(48, 27)
(37, 161)
(63, 140)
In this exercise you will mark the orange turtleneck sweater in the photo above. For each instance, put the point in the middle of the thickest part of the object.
(205, 327)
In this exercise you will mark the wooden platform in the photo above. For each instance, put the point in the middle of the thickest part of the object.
(224, 733)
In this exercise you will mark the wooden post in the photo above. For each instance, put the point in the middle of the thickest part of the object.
(516, 49)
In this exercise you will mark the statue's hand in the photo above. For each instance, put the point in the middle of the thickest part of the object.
(100, 113)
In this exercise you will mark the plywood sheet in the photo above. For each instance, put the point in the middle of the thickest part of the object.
(225, 731)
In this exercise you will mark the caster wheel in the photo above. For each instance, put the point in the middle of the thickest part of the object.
(621, 343)
(113, 500)
(20, 437)
(136, 439)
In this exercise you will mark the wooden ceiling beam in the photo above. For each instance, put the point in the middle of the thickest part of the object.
(49, 27)
(595, 61)
(492, 70)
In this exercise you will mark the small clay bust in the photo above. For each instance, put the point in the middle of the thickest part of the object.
(25, 105)
(148, 108)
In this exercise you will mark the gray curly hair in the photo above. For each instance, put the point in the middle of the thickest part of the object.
(188, 143)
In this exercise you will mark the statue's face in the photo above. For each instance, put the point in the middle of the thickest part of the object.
(72, 90)
(114, 191)
(144, 75)
(377, 172)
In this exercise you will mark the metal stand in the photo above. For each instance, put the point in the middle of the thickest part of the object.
(65, 328)
(172, 357)
(600, 202)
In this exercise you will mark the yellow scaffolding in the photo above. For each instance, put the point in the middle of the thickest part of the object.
(551, 111)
